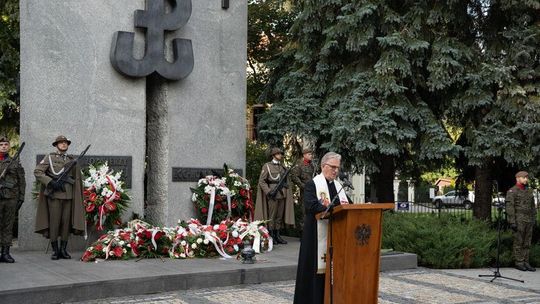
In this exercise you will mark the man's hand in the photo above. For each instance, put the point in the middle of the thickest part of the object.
(56, 185)
(514, 227)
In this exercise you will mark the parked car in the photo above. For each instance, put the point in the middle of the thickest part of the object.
(453, 199)
(496, 199)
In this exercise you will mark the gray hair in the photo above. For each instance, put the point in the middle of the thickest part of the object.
(328, 156)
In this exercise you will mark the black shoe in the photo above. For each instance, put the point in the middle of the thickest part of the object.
(529, 267)
(56, 252)
(279, 239)
(3, 255)
(274, 238)
(6, 257)
(521, 266)
(63, 252)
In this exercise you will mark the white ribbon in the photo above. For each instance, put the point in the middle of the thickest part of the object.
(217, 244)
(211, 206)
(229, 205)
(154, 232)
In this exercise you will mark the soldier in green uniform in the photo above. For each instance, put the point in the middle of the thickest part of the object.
(521, 214)
(61, 213)
(11, 197)
(278, 211)
(301, 173)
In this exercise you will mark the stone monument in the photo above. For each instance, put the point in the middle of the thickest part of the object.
(167, 126)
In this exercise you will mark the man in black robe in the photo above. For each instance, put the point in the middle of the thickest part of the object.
(309, 287)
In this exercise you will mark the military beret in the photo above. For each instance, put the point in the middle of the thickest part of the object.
(522, 174)
(61, 138)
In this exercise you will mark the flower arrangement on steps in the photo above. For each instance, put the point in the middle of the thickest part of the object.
(187, 240)
(218, 198)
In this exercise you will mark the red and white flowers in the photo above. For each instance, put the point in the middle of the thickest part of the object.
(187, 240)
(104, 196)
(219, 198)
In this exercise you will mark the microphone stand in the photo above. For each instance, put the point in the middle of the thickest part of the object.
(497, 273)
(330, 209)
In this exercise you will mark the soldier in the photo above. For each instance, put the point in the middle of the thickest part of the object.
(278, 210)
(11, 197)
(61, 213)
(303, 172)
(521, 214)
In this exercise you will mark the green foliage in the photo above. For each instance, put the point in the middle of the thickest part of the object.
(9, 65)
(256, 156)
(445, 242)
(372, 92)
(269, 22)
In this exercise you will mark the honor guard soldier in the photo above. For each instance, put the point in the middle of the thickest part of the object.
(60, 207)
(303, 172)
(274, 197)
(12, 187)
(521, 215)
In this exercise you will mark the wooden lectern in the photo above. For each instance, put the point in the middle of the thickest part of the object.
(357, 233)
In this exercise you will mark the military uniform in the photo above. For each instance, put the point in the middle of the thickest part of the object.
(11, 198)
(279, 210)
(270, 175)
(521, 215)
(63, 214)
(301, 173)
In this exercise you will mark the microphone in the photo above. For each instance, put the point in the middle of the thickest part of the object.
(345, 180)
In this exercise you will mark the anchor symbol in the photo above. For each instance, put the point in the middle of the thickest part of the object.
(156, 21)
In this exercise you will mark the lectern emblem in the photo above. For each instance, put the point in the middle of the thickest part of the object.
(362, 234)
(156, 21)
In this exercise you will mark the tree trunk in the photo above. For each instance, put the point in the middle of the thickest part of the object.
(483, 189)
(384, 180)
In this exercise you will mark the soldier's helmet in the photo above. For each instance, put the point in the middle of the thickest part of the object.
(275, 151)
(61, 138)
(307, 150)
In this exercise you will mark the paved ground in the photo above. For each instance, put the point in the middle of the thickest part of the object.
(414, 286)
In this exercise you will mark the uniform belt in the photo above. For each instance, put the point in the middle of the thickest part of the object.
(272, 182)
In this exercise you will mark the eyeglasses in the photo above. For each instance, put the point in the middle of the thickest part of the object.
(335, 168)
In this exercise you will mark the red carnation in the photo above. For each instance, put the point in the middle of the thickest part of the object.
(118, 251)
(158, 235)
(243, 192)
(110, 205)
(92, 197)
(90, 207)
(134, 248)
(86, 256)
(118, 222)
(234, 204)
(219, 198)
(204, 210)
(217, 206)
(99, 247)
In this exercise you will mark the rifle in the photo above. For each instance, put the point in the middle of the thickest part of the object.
(64, 177)
(15, 158)
(281, 184)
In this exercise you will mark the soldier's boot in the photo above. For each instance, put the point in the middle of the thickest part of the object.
(521, 266)
(56, 252)
(6, 257)
(279, 239)
(63, 252)
(273, 235)
(2, 256)
(529, 267)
